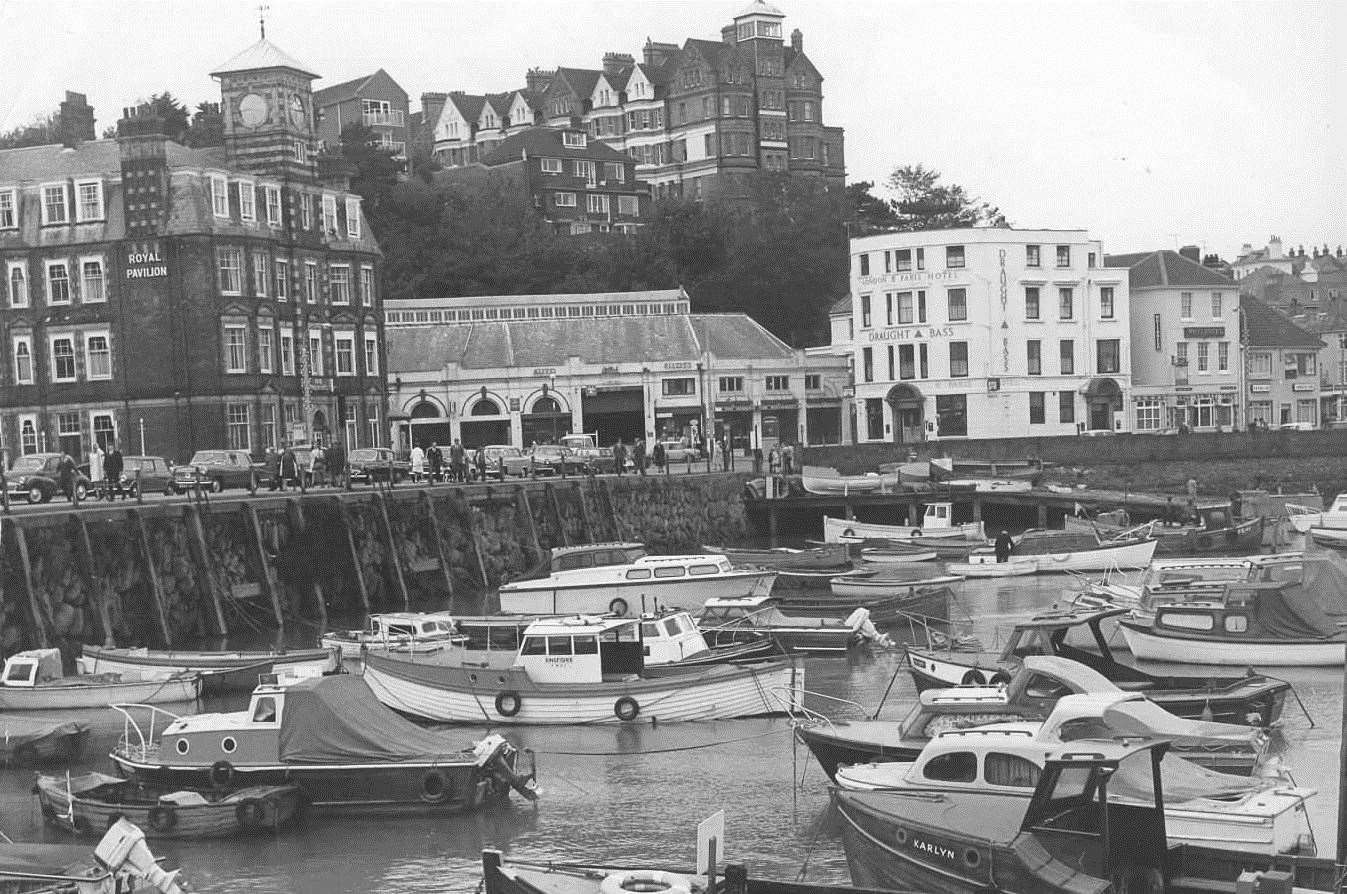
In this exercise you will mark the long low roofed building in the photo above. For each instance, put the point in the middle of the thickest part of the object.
(525, 369)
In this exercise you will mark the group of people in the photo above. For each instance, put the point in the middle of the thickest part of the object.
(319, 466)
(781, 458)
(105, 472)
(428, 463)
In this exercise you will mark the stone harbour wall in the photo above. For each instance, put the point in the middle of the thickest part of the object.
(176, 574)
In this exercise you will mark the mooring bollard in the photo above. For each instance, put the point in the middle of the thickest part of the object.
(252, 482)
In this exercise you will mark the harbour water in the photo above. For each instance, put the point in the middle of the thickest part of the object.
(634, 794)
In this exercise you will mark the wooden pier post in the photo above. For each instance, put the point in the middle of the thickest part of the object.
(434, 523)
(914, 513)
(612, 509)
(584, 511)
(264, 565)
(477, 551)
(295, 512)
(771, 523)
(43, 626)
(93, 583)
(205, 580)
(977, 510)
(557, 517)
(1043, 515)
(394, 569)
(152, 573)
(344, 518)
(523, 506)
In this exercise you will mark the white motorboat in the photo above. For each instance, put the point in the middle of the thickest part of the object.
(936, 522)
(34, 680)
(982, 563)
(1302, 518)
(891, 581)
(1246, 813)
(825, 480)
(580, 671)
(1053, 551)
(682, 581)
(878, 555)
(403, 632)
(222, 671)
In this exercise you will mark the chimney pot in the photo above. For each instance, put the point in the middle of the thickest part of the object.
(797, 40)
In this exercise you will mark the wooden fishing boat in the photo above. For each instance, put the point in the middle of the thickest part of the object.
(583, 670)
(220, 671)
(1333, 538)
(414, 633)
(1254, 814)
(1030, 694)
(876, 582)
(982, 563)
(1249, 699)
(682, 581)
(825, 480)
(25, 742)
(327, 735)
(936, 523)
(1214, 532)
(1069, 837)
(887, 556)
(755, 616)
(120, 863)
(34, 680)
(1055, 552)
(828, 557)
(89, 803)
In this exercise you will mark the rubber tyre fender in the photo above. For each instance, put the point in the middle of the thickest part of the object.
(221, 774)
(618, 607)
(508, 703)
(251, 814)
(645, 880)
(162, 818)
(626, 708)
(1000, 678)
(974, 677)
(434, 788)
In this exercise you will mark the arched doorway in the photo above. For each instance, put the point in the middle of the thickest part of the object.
(1103, 397)
(545, 422)
(486, 423)
(427, 425)
(319, 428)
(909, 413)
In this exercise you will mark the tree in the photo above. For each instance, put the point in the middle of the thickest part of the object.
(923, 203)
(868, 212)
(41, 131)
(207, 128)
(375, 170)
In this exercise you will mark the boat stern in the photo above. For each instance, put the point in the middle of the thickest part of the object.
(505, 767)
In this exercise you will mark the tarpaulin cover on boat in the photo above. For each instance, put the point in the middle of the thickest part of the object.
(1296, 610)
(45, 859)
(1183, 781)
(337, 719)
(1139, 717)
(15, 732)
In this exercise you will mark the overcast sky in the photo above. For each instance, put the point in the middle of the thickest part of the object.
(1151, 124)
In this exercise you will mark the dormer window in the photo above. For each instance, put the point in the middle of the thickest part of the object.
(573, 139)
(89, 200)
(54, 210)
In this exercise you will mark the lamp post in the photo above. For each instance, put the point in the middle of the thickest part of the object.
(142, 436)
(306, 384)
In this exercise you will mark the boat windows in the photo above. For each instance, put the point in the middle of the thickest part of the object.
(1045, 687)
(670, 571)
(1187, 621)
(671, 627)
(1073, 783)
(957, 766)
(264, 710)
(558, 645)
(650, 630)
(586, 645)
(1010, 770)
(20, 673)
(638, 574)
(183, 746)
(1236, 623)
(228, 745)
(502, 637)
(534, 645)
(696, 570)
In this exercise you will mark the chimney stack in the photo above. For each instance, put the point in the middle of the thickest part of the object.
(727, 34)
(76, 120)
(615, 63)
(143, 147)
(539, 79)
(1192, 253)
(1274, 248)
(656, 54)
(797, 40)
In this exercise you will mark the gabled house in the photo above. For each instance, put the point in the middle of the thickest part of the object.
(1283, 385)
(376, 101)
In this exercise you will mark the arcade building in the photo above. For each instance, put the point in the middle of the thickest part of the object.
(526, 369)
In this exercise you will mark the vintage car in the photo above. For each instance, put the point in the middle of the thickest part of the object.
(552, 459)
(37, 478)
(377, 464)
(680, 452)
(149, 474)
(505, 460)
(215, 470)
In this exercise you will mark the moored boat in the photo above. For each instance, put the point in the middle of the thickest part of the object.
(682, 581)
(825, 480)
(584, 670)
(1053, 551)
(936, 522)
(983, 563)
(87, 804)
(1333, 538)
(120, 863)
(225, 671)
(34, 680)
(327, 735)
(732, 618)
(403, 632)
(828, 557)
(26, 741)
(888, 556)
(1302, 517)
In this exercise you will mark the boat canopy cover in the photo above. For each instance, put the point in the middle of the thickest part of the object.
(20, 731)
(1311, 607)
(45, 859)
(78, 785)
(337, 719)
(1140, 717)
(1079, 677)
(1182, 780)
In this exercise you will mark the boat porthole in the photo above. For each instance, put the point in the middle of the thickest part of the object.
(500, 679)
(972, 858)
(228, 745)
(183, 746)
(472, 678)
(902, 836)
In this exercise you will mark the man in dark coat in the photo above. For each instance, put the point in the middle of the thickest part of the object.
(113, 466)
(335, 459)
(435, 457)
(657, 455)
(620, 457)
(1003, 546)
(289, 467)
(638, 455)
(271, 464)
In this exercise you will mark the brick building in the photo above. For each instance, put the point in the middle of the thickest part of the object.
(1281, 367)
(578, 184)
(178, 299)
(376, 101)
(697, 119)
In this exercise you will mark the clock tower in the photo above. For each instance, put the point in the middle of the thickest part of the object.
(267, 100)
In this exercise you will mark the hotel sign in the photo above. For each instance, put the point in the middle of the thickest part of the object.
(1303, 386)
(145, 265)
(910, 333)
(1204, 332)
(918, 277)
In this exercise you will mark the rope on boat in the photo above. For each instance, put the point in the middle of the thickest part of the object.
(714, 744)
(1303, 709)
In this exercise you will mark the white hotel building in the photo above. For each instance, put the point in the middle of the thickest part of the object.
(985, 333)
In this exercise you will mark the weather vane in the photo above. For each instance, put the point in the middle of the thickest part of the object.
(262, 10)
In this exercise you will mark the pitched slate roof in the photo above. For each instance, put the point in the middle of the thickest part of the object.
(500, 103)
(659, 75)
(92, 157)
(618, 79)
(842, 305)
(263, 54)
(581, 80)
(1165, 269)
(710, 50)
(739, 336)
(468, 105)
(547, 141)
(1267, 327)
(347, 89)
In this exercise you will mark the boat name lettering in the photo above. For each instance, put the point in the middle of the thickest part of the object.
(911, 333)
(559, 659)
(544, 370)
(935, 850)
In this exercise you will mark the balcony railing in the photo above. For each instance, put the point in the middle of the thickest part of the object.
(391, 118)
(397, 147)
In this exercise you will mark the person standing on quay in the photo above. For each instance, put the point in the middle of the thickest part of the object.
(436, 458)
(1003, 546)
(787, 459)
(335, 460)
(96, 467)
(418, 458)
(112, 471)
(271, 464)
(620, 457)
(456, 463)
(638, 453)
(289, 467)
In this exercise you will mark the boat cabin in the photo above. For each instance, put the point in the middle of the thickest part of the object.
(240, 738)
(590, 555)
(410, 626)
(582, 649)
(721, 610)
(670, 638)
(938, 516)
(32, 668)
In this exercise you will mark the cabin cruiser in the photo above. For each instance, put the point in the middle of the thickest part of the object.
(402, 632)
(1303, 518)
(936, 522)
(34, 679)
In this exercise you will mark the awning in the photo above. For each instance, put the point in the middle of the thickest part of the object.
(1101, 386)
(904, 393)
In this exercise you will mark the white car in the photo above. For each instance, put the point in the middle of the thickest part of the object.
(678, 452)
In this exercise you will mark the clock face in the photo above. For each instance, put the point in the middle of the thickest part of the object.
(296, 111)
(253, 110)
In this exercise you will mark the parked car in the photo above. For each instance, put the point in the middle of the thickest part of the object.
(376, 464)
(515, 461)
(680, 452)
(37, 478)
(553, 459)
(156, 476)
(218, 469)
(1297, 426)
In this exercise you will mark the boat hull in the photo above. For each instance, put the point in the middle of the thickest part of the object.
(220, 671)
(1012, 568)
(99, 695)
(1104, 558)
(471, 695)
(886, 608)
(631, 597)
(1146, 645)
(264, 808)
(836, 529)
(840, 744)
(793, 639)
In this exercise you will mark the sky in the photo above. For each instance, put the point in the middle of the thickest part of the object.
(1149, 124)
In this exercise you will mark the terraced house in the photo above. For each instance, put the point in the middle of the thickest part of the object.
(178, 298)
(697, 119)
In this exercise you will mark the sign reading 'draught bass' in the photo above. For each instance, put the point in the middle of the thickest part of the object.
(145, 265)
(911, 333)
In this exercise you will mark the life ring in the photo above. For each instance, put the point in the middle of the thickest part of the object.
(916, 532)
(221, 774)
(162, 818)
(433, 787)
(1138, 880)
(618, 607)
(508, 703)
(849, 532)
(974, 677)
(250, 813)
(626, 708)
(1000, 678)
(641, 881)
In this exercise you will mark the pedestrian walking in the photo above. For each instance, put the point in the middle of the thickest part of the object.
(418, 458)
(335, 460)
(96, 468)
(316, 466)
(620, 457)
(787, 459)
(436, 459)
(65, 472)
(1003, 546)
(774, 459)
(113, 466)
(479, 460)
(457, 466)
(271, 464)
(638, 454)
(725, 453)
(657, 455)
(289, 467)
